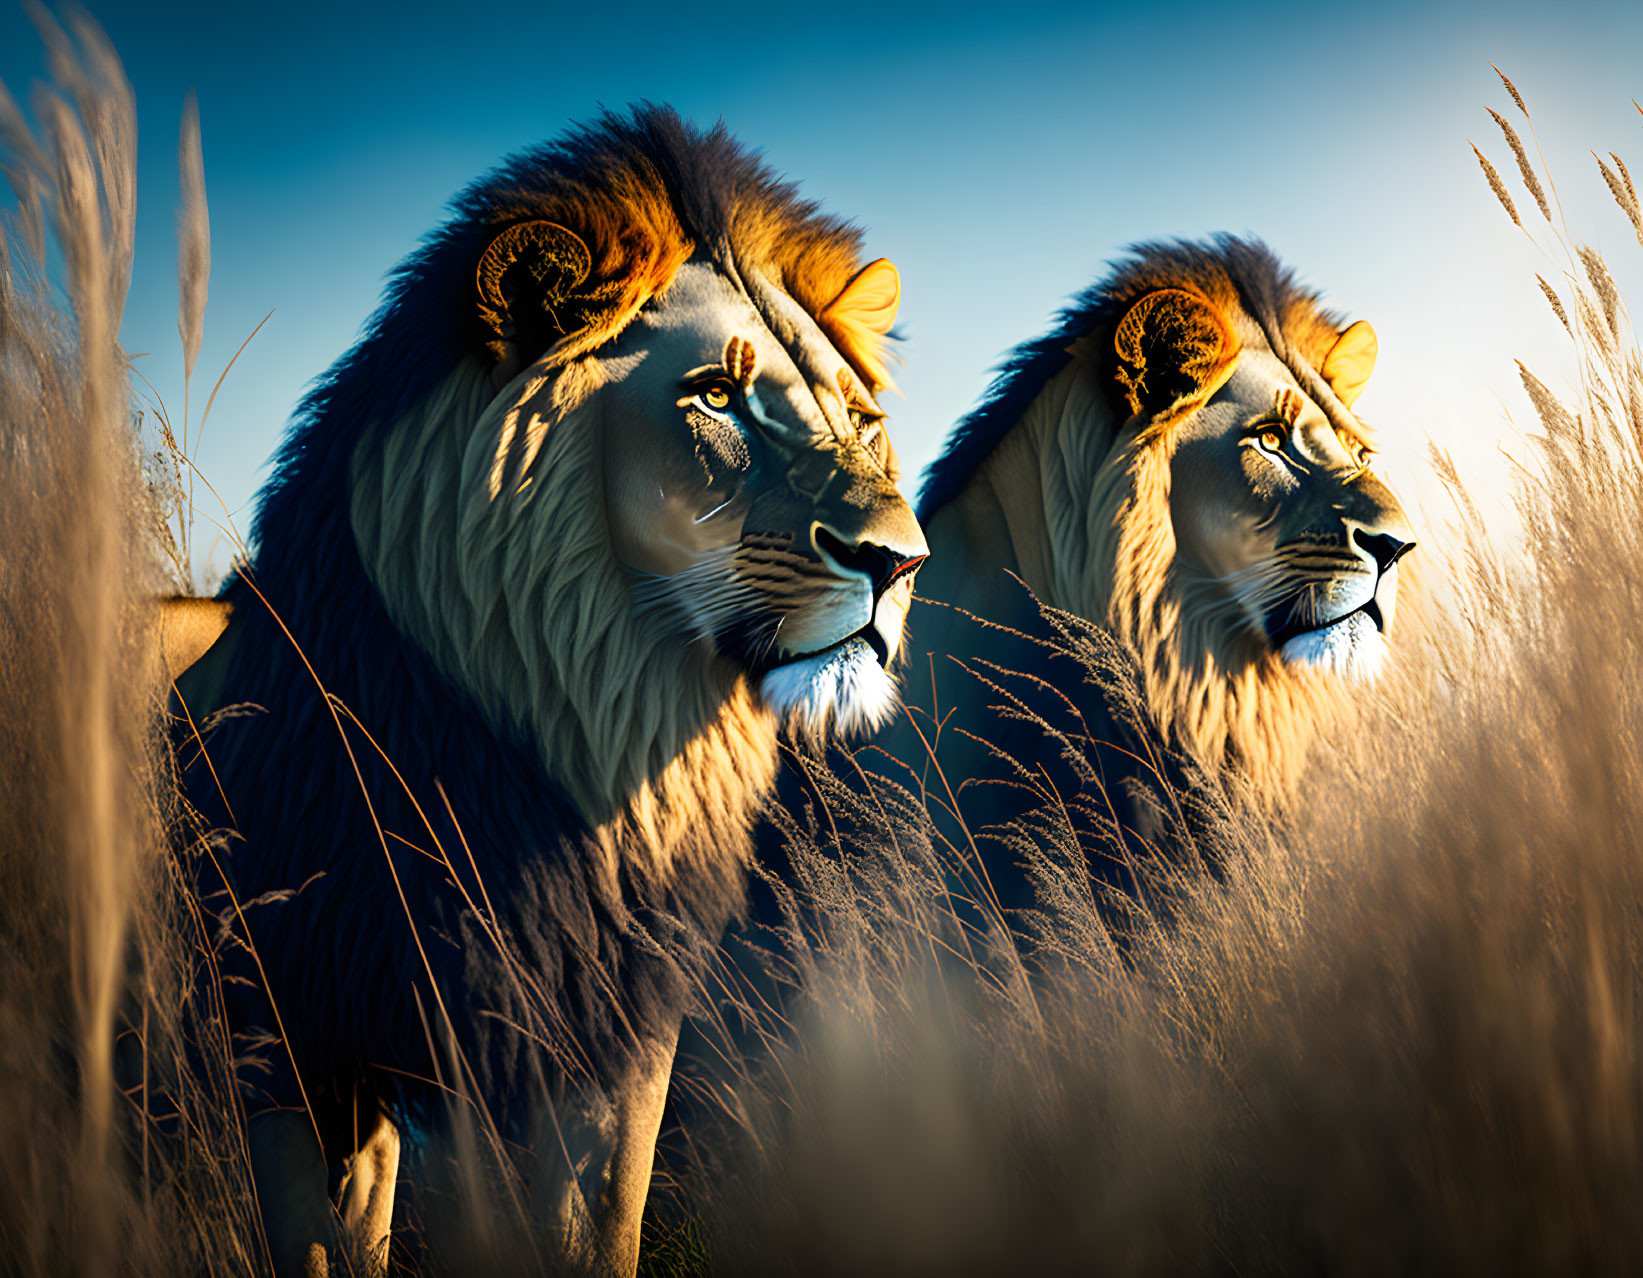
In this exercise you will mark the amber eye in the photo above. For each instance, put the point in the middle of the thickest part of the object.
(717, 396)
(873, 439)
(871, 435)
(1272, 440)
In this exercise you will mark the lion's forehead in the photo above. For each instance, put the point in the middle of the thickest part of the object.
(1263, 387)
(795, 365)
(1234, 509)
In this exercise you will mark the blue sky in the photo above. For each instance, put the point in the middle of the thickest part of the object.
(999, 155)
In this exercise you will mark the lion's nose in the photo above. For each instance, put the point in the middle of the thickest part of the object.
(1384, 546)
(881, 565)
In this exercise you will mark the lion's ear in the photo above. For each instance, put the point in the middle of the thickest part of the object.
(1350, 361)
(525, 282)
(859, 317)
(1172, 346)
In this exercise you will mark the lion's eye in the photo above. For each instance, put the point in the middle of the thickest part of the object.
(1272, 440)
(713, 394)
(871, 434)
(874, 440)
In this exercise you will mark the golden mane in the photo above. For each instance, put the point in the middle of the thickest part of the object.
(646, 193)
(1088, 517)
(462, 549)
(594, 685)
(1260, 715)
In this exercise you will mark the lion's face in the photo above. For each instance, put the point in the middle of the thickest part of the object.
(751, 500)
(1180, 463)
(1282, 527)
(641, 532)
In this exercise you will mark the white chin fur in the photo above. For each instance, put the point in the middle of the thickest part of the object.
(1353, 647)
(844, 687)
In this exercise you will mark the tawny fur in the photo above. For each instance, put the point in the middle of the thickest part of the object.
(518, 600)
(434, 563)
(1085, 495)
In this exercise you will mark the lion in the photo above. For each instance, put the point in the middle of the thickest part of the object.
(1178, 462)
(600, 502)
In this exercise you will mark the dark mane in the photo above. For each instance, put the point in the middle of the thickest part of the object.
(1236, 274)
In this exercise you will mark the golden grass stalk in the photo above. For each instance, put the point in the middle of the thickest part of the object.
(1498, 187)
(1557, 304)
(1625, 194)
(193, 239)
(193, 283)
(1529, 179)
(1553, 416)
(1512, 89)
(1597, 271)
(1631, 191)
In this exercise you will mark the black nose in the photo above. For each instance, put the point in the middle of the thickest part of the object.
(881, 565)
(1385, 548)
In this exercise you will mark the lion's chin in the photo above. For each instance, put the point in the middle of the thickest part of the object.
(1352, 648)
(843, 687)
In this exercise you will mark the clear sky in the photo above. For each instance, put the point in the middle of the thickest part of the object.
(998, 155)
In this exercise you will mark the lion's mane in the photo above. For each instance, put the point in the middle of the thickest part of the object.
(426, 881)
(1107, 544)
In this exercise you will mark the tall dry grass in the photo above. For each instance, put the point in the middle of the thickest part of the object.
(1398, 1033)
(117, 1149)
